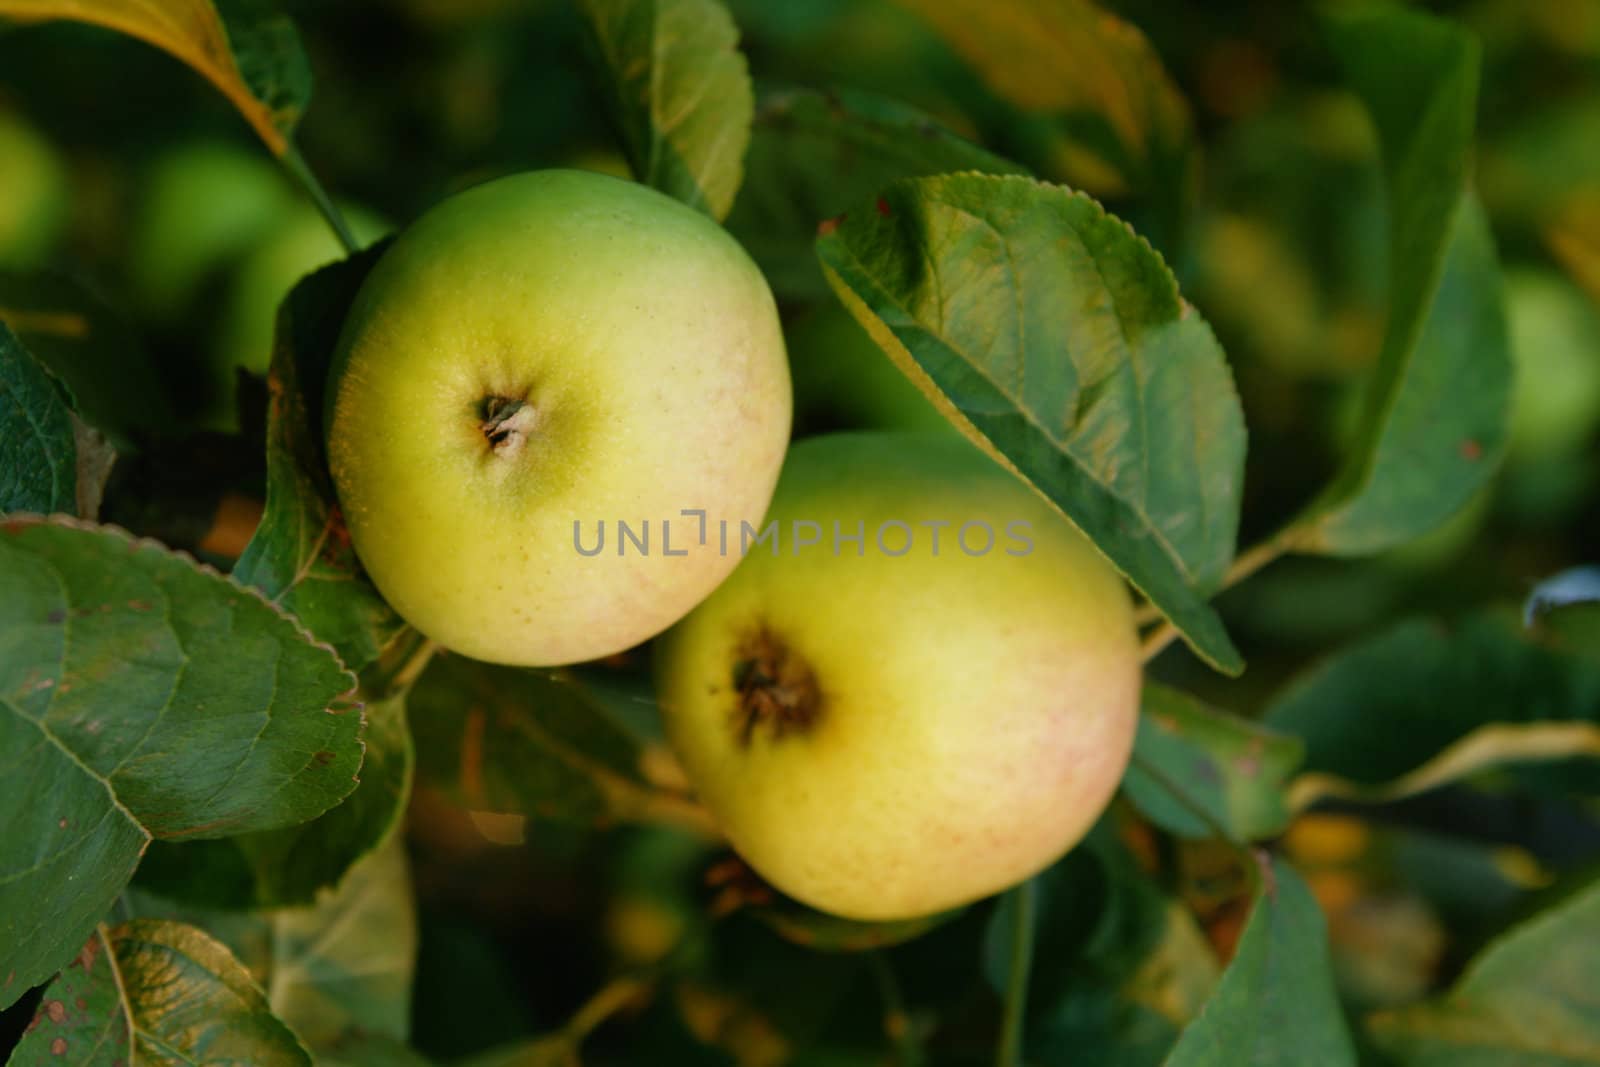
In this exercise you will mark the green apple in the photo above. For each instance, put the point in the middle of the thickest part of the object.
(843, 380)
(299, 245)
(33, 194)
(531, 362)
(1555, 342)
(890, 729)
(202, 206)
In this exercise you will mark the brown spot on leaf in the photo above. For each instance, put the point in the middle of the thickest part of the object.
(323, 758)
(1248, 763)
(140, 605)
(1471, 450)
(80, 1003)
(337, 541)
(62, 823)
(86, 955)
(56, 1010)
(56, 617)
(1269, 877)
(58, 1047)
(827, 226)
(883, 207)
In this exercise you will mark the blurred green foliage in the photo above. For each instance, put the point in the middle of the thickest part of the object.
(140, 190)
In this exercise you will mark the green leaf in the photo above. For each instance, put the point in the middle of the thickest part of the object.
(153, 992)
(1119, 966)
(142, 696)
(814, 154)
(1421, 704)
(1197, 771)
(369, 1050)
(300, 555)
(38, 450)
(91, 349)
(1095, 75)
(346, 964)
(1525, 1001)
(533, 743)
(1434, 424)
(1056, 338)
(336, 972)
(1275, 1003)
(246, 49)
(291, 866)
(679, 92)
(294, 864)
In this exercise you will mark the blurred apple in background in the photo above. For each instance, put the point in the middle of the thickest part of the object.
(202, 205)
(33, 194)
(303, 243)
(843, 380)
(1555, 409)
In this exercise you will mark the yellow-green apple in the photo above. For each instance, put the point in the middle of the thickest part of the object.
(1555, 406)
(202, 206)
(890, 727)
(533, 360)
(843, 380)
(1555, 343)
(33, 194)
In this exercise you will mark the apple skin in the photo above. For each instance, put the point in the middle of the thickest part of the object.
(972, 715)
(33, 194)
(646, 348)
(1555, 343)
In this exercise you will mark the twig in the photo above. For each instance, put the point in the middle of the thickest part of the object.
(612, 998)
(296, 165)
(1244, 565)
(1023, 899)
(896, 1020)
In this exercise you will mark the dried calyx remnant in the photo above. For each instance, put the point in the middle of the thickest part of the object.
(776, 688)
(506, 423)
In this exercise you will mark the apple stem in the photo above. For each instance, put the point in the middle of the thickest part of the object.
(506, 424)
(1023, 903)
(775, 687)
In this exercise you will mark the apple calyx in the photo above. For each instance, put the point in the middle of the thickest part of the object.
(506, 424)
(777, 689)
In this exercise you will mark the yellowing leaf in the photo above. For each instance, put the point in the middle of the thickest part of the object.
(1528, 999)
(1126, 126)
(1486, 747)
(1574, 238)
(1064, 56)
(243, 47)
